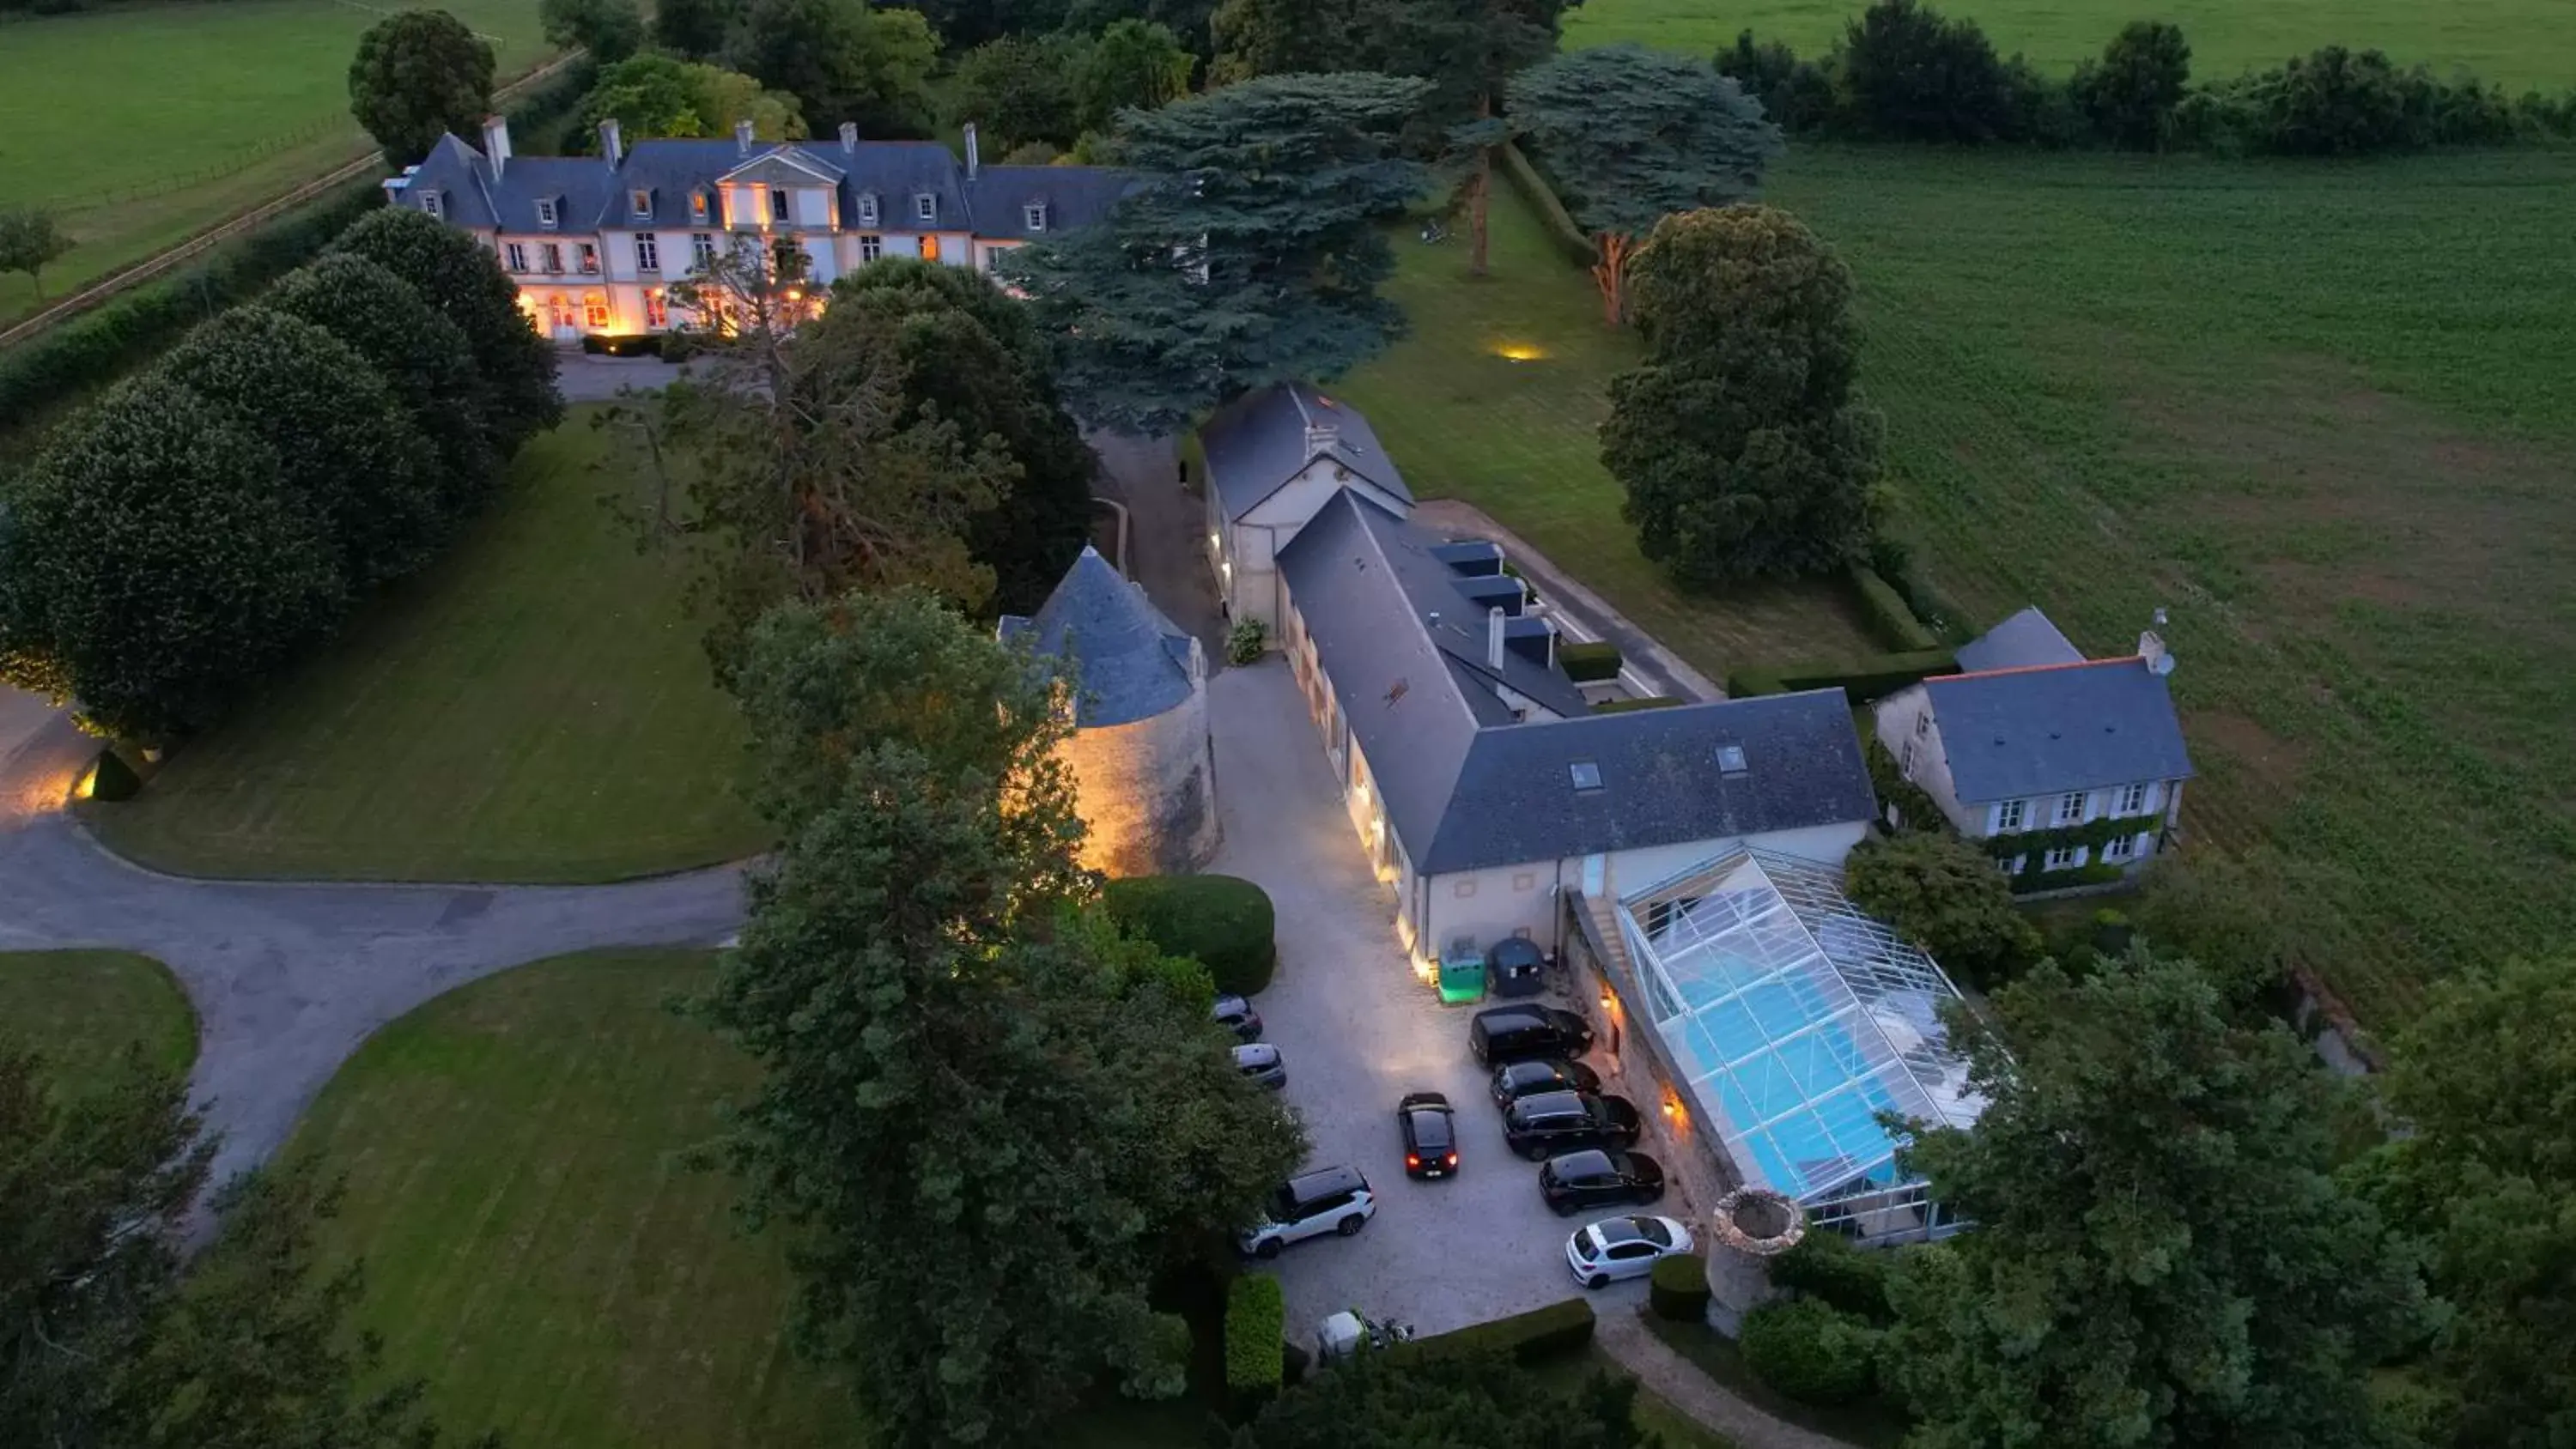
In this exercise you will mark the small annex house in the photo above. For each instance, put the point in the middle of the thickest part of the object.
(2071, 768)
(595, 242)
(1274, 458)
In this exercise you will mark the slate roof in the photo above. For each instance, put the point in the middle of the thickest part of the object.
(1074, 196)
(1130, 662)
(2015, 734)
(471, 196)
(2025, 639)
(1258, 442)
(1466, 786)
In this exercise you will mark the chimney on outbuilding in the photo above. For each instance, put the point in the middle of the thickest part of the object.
(849, 135)
(742, 137)
(611, 144)
(1494, 638)
(496, 142)
(974, 154)
(2151, 648)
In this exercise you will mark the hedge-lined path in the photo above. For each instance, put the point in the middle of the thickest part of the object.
(288, 979)
(1622, 1334)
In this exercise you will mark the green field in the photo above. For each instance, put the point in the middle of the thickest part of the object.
(535, 707)
(2517, 43)
(141, 125)
(83, 1009)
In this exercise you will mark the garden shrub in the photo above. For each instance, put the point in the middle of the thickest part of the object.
(1945, 895)
(1165, 1372)
(1589, 663)
(1224, 922)
(1912, 74)
(1560, 1328)
(111, 779)
(1827, 1267)
(1256, 1337)
(1889, 614)
(1245, 641)
(1678, 1289)
(1797, 95)
(1811, 1351)
(1866, 679)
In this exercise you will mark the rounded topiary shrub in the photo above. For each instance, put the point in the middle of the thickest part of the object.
(1224, 922)
(1678, 1288)
(113, 779)
(1825, 1266)
(1811, 1351)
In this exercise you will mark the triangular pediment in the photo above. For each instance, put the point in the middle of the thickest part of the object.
(782, 168)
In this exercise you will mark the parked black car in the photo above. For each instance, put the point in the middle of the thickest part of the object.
(1515, 1080)
(1430, 1134)
(1541, 1126)
(1594, 1178)
(1261, 1063)
(1236, 1015)
(1512, 1033)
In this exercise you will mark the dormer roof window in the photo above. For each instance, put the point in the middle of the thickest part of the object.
(1035, 215)
(430, 203)
(546, 215)
(697, 206)
(639, 202)
(867, 208)
(926, 206)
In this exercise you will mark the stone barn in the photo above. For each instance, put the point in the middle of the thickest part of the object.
(1136, 685)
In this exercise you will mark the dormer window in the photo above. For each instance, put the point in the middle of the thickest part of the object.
(926, 207)
(545, 211)
(867, 208)
(639, 202)
(429, 203)
(697, 206)
(1035, 215)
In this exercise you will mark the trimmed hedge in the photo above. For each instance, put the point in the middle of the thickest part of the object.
(1811, 1351)
(1559, 223)
(88, 352)
(1889, 614)
(1630, 706)
(111, 779)
(1256, 1338)
(1589, 663)
(1866, 680)
(1826, 1266)
(2032, 881)
(1223, 922)
(1678, 1288)
(1559, 1329)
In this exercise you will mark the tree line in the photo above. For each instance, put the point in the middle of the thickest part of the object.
(1903, 71)
(209, 520)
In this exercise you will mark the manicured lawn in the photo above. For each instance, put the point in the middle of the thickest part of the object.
(2322, 413)
(535, 707)
(138, 125)
(83, 1009)
(1517, 439)
(2519, 43)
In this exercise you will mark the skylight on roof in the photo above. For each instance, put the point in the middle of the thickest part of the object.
(1730, 760)
(1587, 775)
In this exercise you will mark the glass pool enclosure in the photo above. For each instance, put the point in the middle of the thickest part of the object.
(1796, 1020)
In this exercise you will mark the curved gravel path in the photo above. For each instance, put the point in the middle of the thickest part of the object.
(288, 979)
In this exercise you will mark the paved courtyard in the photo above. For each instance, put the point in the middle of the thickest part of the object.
(1359, 1031)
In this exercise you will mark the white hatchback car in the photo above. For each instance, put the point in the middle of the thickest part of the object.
(1327, 1200)
(1616, 1248)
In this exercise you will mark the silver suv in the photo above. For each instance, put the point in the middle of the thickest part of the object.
(1327, 1200)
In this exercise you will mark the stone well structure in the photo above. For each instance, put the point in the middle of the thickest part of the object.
(1136, 686)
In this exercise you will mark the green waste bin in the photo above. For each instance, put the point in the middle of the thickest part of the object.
(1462, 973)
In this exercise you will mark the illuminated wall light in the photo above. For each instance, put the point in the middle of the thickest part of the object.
(86, 785)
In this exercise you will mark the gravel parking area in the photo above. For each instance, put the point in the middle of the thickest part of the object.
(1358, 1031)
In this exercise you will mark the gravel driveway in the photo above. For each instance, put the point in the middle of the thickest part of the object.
(1358, 1032)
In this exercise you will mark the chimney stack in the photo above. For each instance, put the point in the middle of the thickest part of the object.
(1494, 638)
(496, 142)
(611, 144)
(849, 135)
(2151, 648)
(974, 156)
(742, 137)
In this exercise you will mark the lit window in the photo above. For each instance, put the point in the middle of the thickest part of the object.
(2008, 816)
(778, 207)
(867, 208)
(517, 255)
(640, 202)
(702, 250)
(926, 207)
(2121, 848)
(589, 259)
(545, 211)
(657, 313)
(930, 249)
(648, 251)
(2133, 801)
(429, 203)
(871, 247)
(552, 255)
(594, 311)
(697, 206)
(2070, 808)
(1035, 215)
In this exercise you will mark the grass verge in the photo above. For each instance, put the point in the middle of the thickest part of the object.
(84, 1009)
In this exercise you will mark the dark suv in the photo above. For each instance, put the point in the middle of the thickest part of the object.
(1515, 1080)
(1541, 1126)
(1514, 1033)
(1593, 1178)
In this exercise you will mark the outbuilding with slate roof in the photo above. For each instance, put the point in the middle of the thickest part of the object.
(1135, 686)
(1274, 459)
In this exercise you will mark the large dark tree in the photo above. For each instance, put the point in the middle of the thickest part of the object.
(918, 952)
(2485, 1079)
(465, 283)
(421, 355)
(1187, 19)
(2131, 93)
(654, 94)
(1913, 75)
(1137, 63)
(693, 28)
(346, 446)
(842, 60)
(970, 356)
(1741, 442)
(1468, 50)
(1632, 136)
(152, 568)
(2162, 1255)
(1255, 38)
(610, 30)
(1478, 1401)
(1947, 896)
(1251, 254)
(965, 24)
(1018, 89)
(418, 75)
